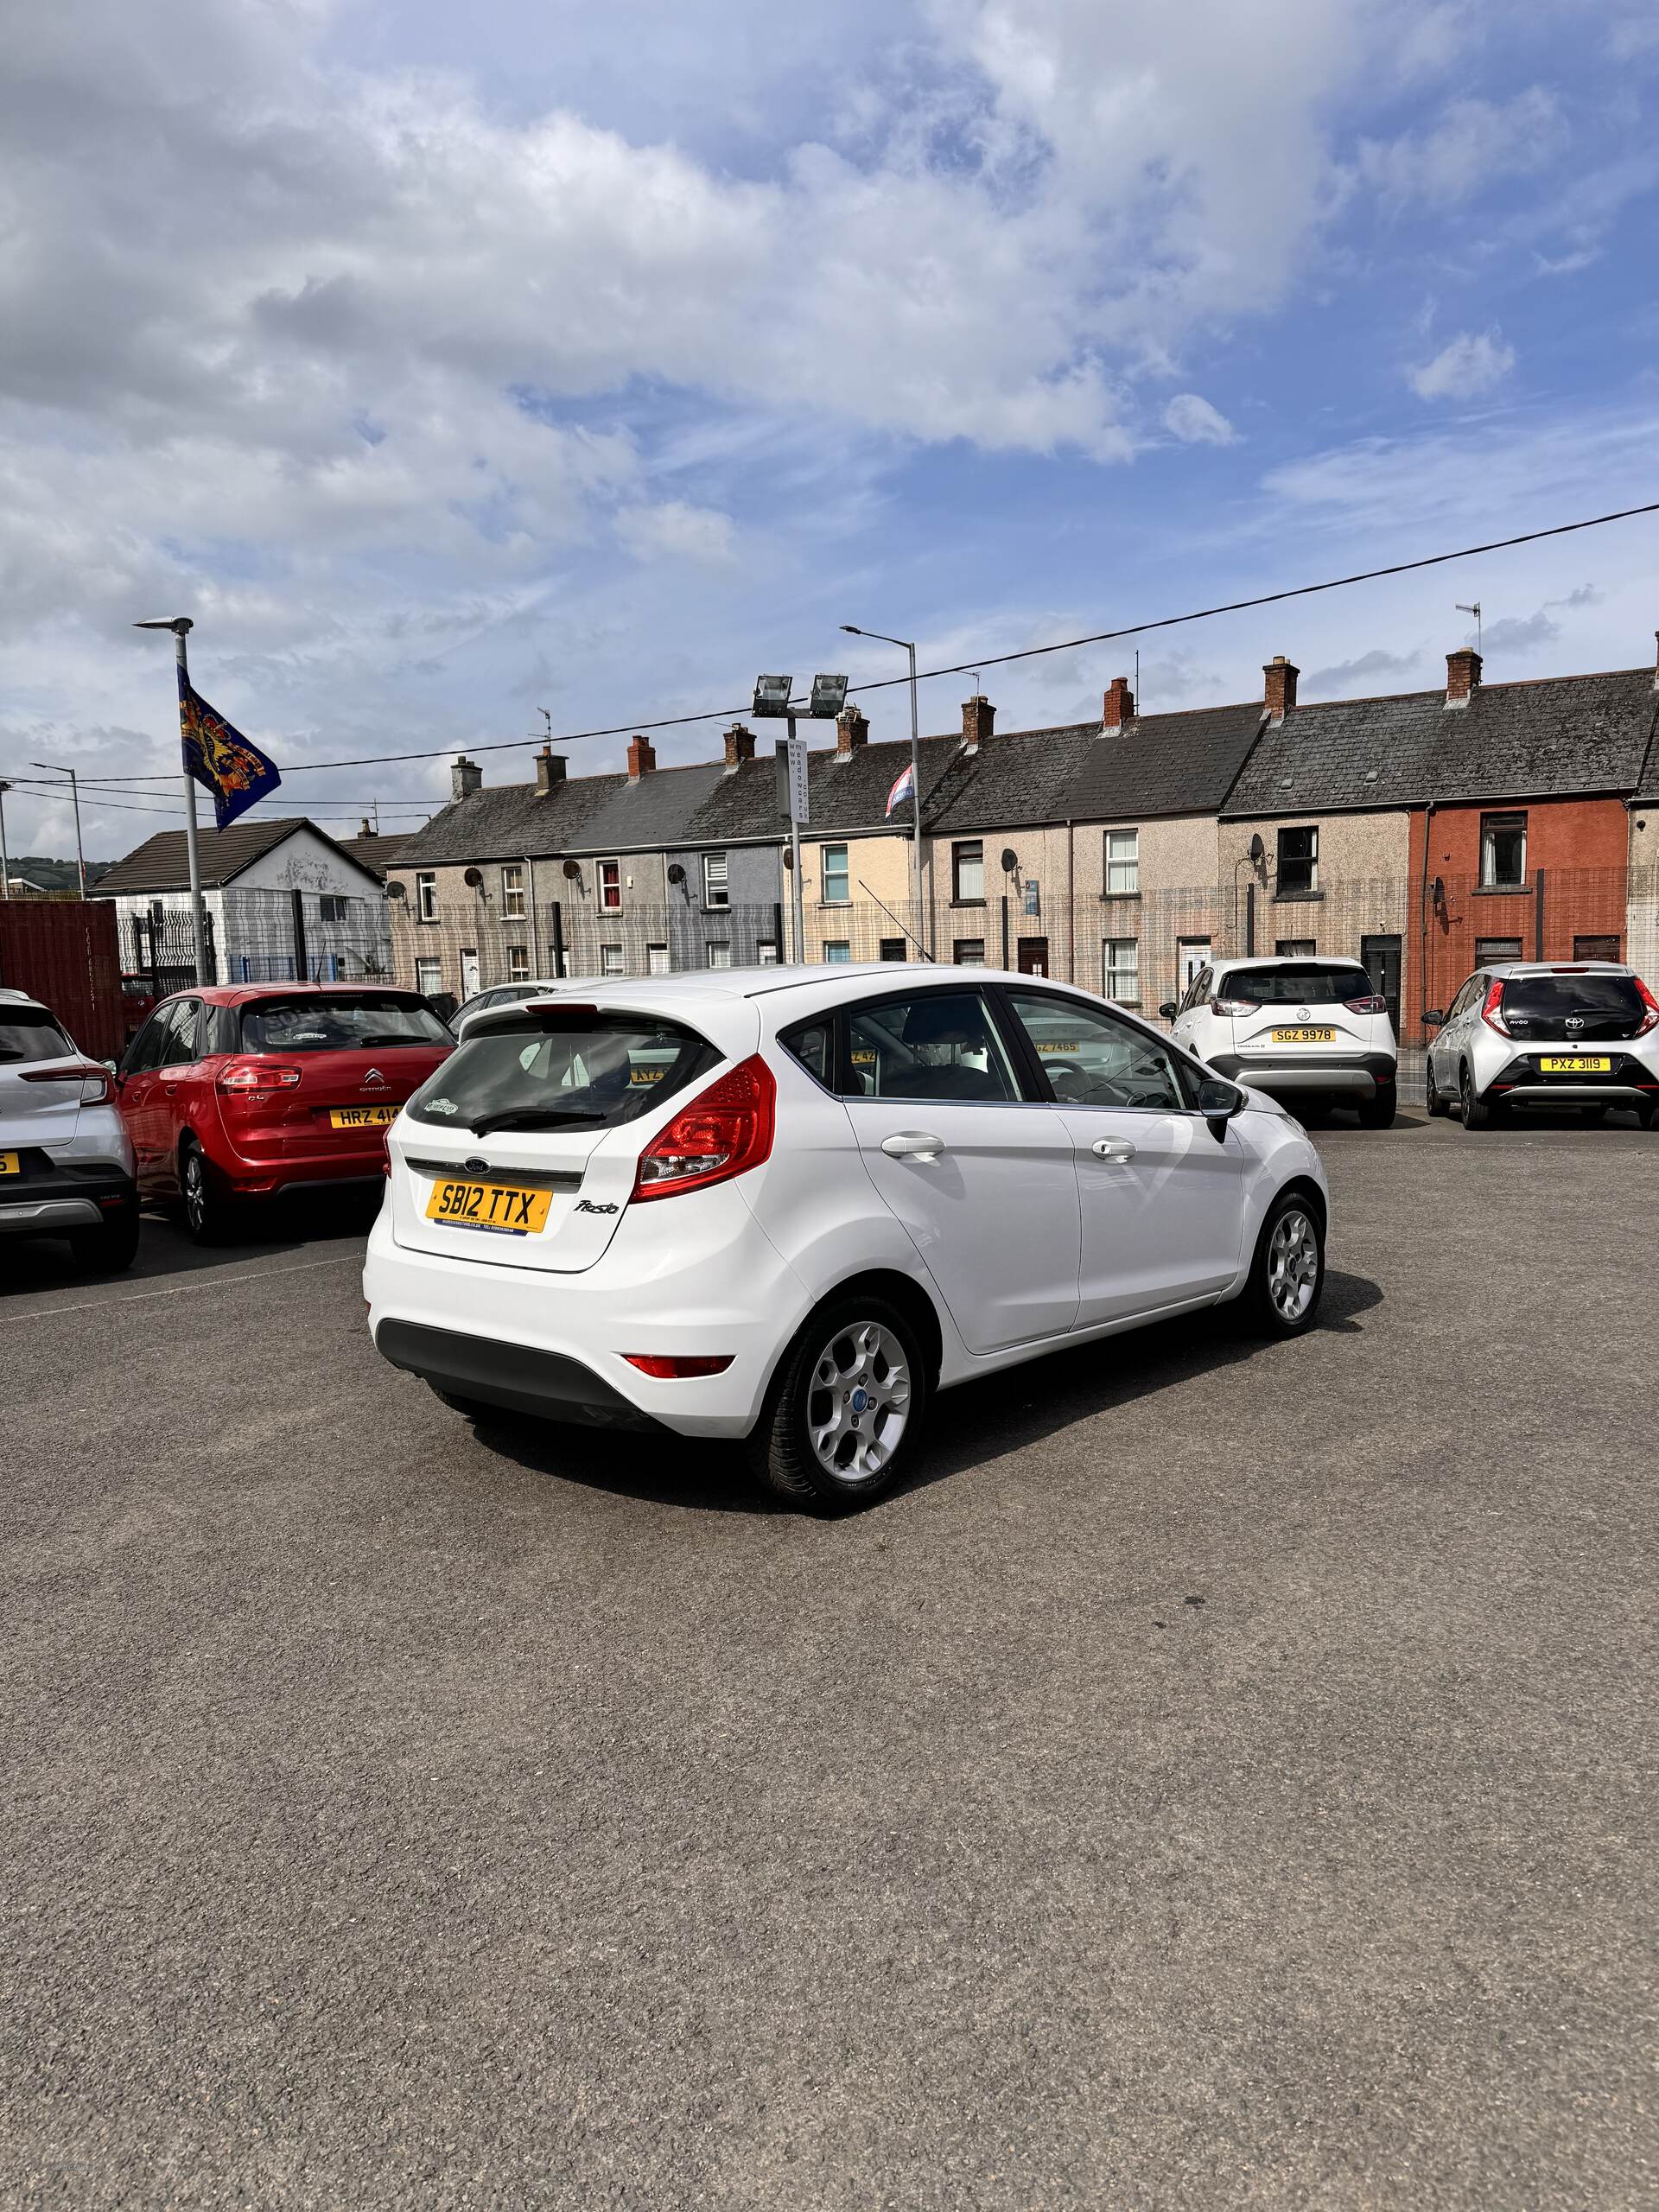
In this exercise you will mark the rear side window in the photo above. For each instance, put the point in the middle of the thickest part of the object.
(1305, 983)
(365, 1021)
(813, 1043)
(1552, 998)
(541, 1071)
(29, 1032)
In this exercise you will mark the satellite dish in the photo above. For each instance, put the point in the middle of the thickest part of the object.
(572, 872)
(1438, 891)
(396, 890)
(473, 877)
(789, 860)
(676, 872)
(1258, 850)
(1010, 861)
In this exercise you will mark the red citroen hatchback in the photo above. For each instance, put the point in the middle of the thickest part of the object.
(244, 1092)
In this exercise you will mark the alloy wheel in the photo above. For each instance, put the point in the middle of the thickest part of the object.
(195, 1193)
(858, 1400)
(1293, 1264)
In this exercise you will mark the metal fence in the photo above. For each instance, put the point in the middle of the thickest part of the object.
(259, 936)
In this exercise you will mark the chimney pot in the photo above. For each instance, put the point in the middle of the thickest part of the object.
(1462, 675)
(978, 717)
(1656, 660)
(465, 777)
(1118, 705)
(852, 729)
(552, 769)
(642, 758)
(366, 831)
(739, 744)
(1280, 689)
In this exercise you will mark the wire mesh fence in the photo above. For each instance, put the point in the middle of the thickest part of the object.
(255, 936)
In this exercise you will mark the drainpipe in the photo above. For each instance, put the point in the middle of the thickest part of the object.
(1070, 903)
(1422, 922)
(534, 937)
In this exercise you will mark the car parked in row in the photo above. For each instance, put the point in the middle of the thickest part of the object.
(66, 1161)
(1539, 1033)
(512, 993)
(1314, 1032)
(788, 1204)
(235, 1095)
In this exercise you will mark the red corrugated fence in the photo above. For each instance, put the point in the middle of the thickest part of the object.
(64, 951)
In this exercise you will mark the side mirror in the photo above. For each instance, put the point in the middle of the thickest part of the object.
(1168, 1011)
(1435, 1018)
(1218, 1102)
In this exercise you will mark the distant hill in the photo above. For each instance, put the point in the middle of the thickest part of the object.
(53, 875)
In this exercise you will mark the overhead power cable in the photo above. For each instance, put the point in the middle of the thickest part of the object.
(992, 660)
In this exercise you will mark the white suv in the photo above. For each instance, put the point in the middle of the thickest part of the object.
(787, 1205)
(1309, 1030)
(66, 1160)
(1539, 1033)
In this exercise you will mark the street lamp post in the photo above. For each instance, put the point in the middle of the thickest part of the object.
(182, 626)
(54, 768)
(853, 630)
(5, 865)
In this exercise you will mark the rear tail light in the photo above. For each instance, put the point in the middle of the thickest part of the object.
(1650, 1008)
(667, 1367)
(261, 1075)
(1371, 1005)
(724, 1132)
(1232, 1007)
(1492, 1012)
(97, 1085)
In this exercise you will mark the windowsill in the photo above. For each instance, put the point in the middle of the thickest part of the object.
(715, 910)
(1501, 890)
(1120, 894)
(834, 902)
(1297, 898)
(957, 903)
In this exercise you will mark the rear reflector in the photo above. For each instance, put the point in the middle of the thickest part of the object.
(667, 1367)
(724, 1132)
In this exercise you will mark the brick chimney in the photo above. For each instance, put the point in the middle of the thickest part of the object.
(852, 730)
(1656, 660)
(739, 744)
(1462, 675)
(366, 831)
(552, 769)
(465, 777)
(1280, 687)
(978, 715)
(1118, 706)
(642, 758)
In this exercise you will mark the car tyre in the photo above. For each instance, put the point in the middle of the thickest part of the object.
(1474, 1112)
(1287, 1278)
(1378, 1112)
(112, 1246)
(815, 1444)
(1434, 1101)
(209, 1216)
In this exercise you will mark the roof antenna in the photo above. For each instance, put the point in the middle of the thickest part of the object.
(1475, 611)
(1140, 703)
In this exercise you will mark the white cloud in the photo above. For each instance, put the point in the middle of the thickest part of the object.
(1475, 362)
(1636, 34)
(1472, 143)
(675, 531)
(1195, 421)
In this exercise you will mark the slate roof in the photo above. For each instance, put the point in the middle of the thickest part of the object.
(508, 822)
(645, 815)
(373, 852)
(1183, 763)
(161, 862)
(1347, 752)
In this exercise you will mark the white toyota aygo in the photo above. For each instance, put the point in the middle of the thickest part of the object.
(786, 1205)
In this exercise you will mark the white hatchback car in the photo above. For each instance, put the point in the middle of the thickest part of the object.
(66, 1159)
(787, 1205)
(1533, 1033)
(1311, 1030)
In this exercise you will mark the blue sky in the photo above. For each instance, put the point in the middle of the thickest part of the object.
(446, 369)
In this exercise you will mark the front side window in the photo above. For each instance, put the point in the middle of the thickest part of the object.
(512, 893)
(1123, 862)
(836, 892)
(1196, 990)
(968, 873)
(549, 1068)
(318, 1023)
(426, 896)
(1298, 862)
(183, 1034)
(428, 977)
(714, 879)
(1091, 1059)
(1502, 851)
(937, 1044)
(610, 960)
(517, 963)
(968, 952)
(1122, 969)
(610, 887)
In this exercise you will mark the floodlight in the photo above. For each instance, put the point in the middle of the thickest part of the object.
(772, 696)
(828, 696)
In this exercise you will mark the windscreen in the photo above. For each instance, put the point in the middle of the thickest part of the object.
(1552, 998)
(552, 1071)
(364, 1022)
(29, 1032)
(1306, 983)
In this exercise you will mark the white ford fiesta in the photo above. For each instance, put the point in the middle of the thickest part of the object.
(786, 1205)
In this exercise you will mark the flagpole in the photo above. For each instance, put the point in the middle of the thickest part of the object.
(192, 845)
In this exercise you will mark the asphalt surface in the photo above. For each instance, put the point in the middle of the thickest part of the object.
(1225, 1778)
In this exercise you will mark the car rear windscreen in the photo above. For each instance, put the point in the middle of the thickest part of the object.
(1552, 998)
(572, 1068)
(29, 1032)
(364, 1022)
(1308, 982)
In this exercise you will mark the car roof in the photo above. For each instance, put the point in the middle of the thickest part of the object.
(1286, 960)
(1555, 968)
(761, 982)
(240, 994)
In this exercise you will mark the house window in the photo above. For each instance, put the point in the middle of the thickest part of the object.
(1123, 862)
(836, 893)
(713, 880)
(1122, 964)
(656, 960)
(968, 952)
(428, 977)
(968, 873)
(1490, 948)
(1299, 862)
(517, 963)
(426, 896)
(1595, 948)
(512, 893)
(765, 954)
(836, 951)
(333, 907)
(610, 887)
(1502, 851)
(719, 956)
(1296, 948)
(610, 960)
(894, 947)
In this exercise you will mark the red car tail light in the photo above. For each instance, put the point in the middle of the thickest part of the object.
(258, 1075)
(1492, 1012)
(669, 1367)
(97, 1085)
(724, 1132)
(1374, 1004)
(1232, 1007)
(1650, 1008)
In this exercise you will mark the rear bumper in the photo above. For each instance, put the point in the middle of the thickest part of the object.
(52, 1205)
(1352, 1076)
(1629, 1082)
(515, 1377)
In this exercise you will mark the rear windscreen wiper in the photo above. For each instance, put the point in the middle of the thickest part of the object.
(532, 1117)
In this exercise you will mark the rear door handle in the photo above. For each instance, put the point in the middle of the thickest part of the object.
(913, 1144)
(1112, 1148)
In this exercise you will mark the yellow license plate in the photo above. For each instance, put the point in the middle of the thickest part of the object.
(1576, 1064)
(1304, 1036)
(9, 1164)
(363, 1118)
(508, 1210)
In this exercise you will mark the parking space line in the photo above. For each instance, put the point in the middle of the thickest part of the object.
(207, 1280)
